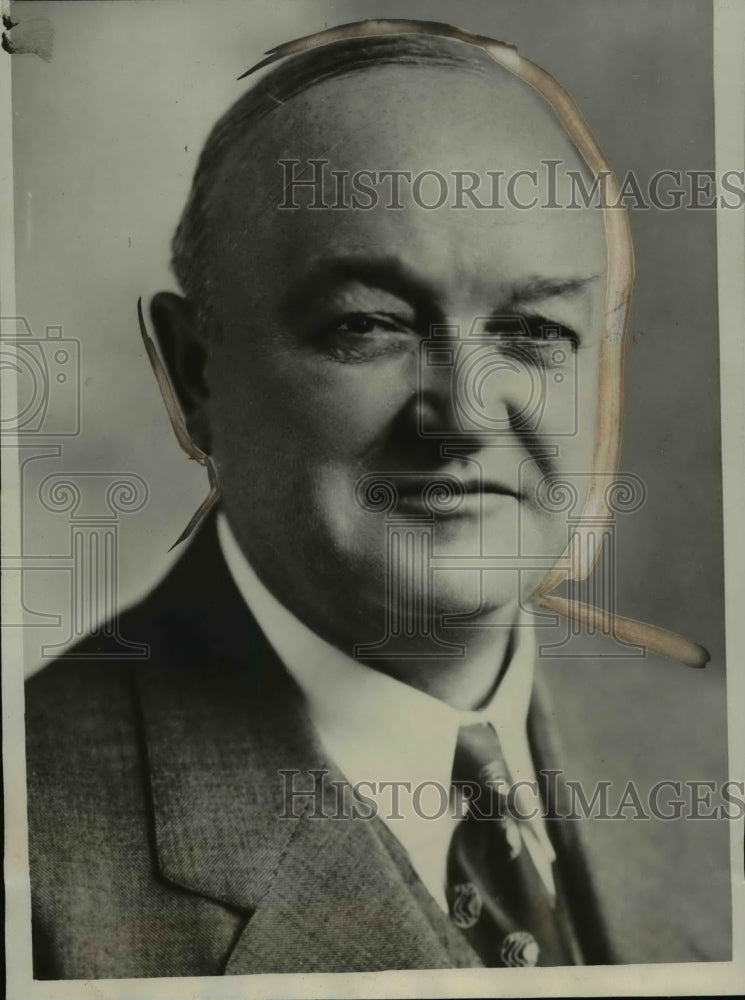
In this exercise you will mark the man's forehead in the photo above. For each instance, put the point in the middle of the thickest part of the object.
(292, 190)
(407, 117)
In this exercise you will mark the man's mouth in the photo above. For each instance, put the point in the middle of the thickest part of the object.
(449, 493)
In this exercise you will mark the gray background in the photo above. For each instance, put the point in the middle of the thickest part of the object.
(106, 137)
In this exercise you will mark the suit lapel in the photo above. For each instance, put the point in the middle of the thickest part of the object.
(222, 719)
(576, 880)
(215, 820)
(341, 902)
(641, 889)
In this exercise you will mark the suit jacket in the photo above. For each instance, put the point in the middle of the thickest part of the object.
(154, 791)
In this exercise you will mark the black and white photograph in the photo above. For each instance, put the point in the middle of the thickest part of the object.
(373, 443)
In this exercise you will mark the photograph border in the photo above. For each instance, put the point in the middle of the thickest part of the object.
(726, 978)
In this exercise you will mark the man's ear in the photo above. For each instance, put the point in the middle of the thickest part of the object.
(183, 351)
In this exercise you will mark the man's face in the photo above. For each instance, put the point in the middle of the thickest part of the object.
(322, 374)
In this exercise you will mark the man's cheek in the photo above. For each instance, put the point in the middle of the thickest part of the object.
(353, 414)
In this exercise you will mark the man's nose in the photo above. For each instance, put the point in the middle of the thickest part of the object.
(435, 402)
(475, 386)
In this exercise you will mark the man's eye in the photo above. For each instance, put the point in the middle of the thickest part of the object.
(359, 337)
(536, 341)
(362, 323)
(546, 331)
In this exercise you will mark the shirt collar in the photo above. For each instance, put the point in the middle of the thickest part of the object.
(376, 727)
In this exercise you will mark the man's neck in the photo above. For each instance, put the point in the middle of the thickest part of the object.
(462, 669)
(464, 681)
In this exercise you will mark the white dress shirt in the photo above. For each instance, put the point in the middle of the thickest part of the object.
(378, 729)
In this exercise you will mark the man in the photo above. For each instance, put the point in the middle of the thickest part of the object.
(387, 382)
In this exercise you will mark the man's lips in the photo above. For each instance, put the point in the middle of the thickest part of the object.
(450, 493)
(417, 486)
(441, 493)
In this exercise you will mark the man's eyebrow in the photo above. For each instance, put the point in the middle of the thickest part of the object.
(535, 288)
(391, 274)
(388, 273)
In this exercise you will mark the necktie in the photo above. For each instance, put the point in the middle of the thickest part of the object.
(495, 893)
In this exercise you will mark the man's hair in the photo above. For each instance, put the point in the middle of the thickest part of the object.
(194, 239)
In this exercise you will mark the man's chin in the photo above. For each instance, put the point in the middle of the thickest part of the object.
(474, 595)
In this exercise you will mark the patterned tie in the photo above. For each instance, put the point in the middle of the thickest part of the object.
(495, 893)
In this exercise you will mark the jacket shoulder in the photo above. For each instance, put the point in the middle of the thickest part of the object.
(100, 907)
